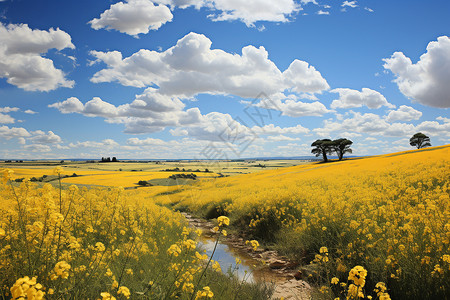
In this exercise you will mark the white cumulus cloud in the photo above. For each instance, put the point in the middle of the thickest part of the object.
(149, 112)
(349, 98)
(133, 17)
(6, 119)
(192, 67)
(404, 113)
(248, 12)
(367, 123)
(426, 81)
(41, 137)
(21, 60)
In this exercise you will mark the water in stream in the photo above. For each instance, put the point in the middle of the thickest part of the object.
(249, 269)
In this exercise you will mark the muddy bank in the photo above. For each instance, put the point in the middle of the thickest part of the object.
(261, 265)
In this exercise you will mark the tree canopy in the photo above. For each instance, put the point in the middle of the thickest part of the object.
(322, 148)
(342, 146)
(420, 140)
(326, 147)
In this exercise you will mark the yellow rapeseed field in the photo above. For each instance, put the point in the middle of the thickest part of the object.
(389, 214)
(80, 243)
(102, 178)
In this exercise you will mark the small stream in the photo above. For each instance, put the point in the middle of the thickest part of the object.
(252, 267)
(249, 269)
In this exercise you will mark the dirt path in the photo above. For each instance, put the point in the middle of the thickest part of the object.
(271, 267)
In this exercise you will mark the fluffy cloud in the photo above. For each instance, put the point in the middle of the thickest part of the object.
(21, 61)
(133, 17)
(294, 108)
(37, 148)
(271, 129)
(192, 67)
(145, 142)
(40, 137)
(8, 109)
(14, 132)
(435, 128)
(6, 119)
(30, 112)
(322, 12)
(282, 138)
(290, 105)
(139, 16)
(365, 123)
(71, 105)
(217, 127)
(349, 98)
(404, 113)
(248, 12)
(149, 112)
(104, 144)
(301, 78)
(427, 80)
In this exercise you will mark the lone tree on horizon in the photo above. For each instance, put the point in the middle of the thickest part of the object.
(323, 147)
(342, 146)
(420, 140)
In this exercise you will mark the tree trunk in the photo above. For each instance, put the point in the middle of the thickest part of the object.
(324, 153)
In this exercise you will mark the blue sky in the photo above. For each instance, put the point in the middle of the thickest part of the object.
(220, 78)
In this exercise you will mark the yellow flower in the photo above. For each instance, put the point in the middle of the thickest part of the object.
(26, 287)
(216, 266)
(107, 296)
(334, 280)
(253, 243)
(7, 174)
(100, 247)
(124, 291)
(174, 250)
(57, 170)
(358, 275)
(205, 293)
(61, 269)
(223, 221)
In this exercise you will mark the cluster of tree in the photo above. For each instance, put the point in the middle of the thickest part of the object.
(108, 159)
(327, 147)
(341, 146)
(184, 170)
(185, 176)
(144, 183)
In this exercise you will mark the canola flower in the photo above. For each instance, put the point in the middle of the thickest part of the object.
(204, 293)
(79, 240)
(253, 243)
(26, 288)
(124, 291)
(388, 213)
